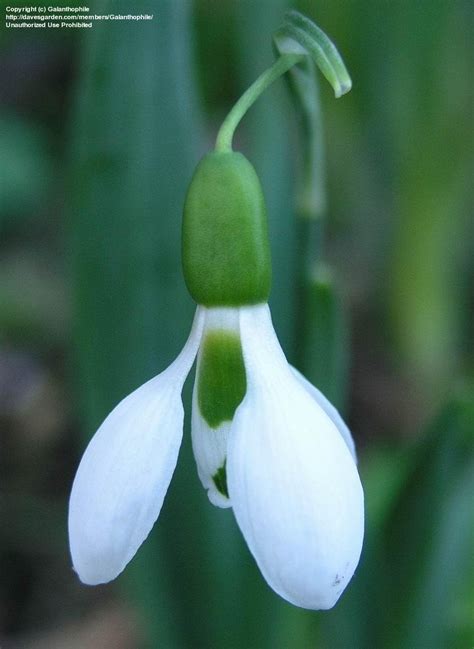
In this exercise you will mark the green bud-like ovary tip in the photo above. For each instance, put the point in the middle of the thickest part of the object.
(221, 377)
(226, 252)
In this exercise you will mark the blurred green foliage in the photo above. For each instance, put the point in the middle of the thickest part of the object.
(27, 169)
(385, 328)
(416, 577)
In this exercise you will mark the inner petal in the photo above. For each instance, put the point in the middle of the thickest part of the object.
(219, 389)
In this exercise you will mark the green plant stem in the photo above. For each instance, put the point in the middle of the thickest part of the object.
(226, 131)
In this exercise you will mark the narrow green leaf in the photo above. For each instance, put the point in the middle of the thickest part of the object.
(416, 565)
(427, 544)
(136, 136)
(431, 250)
(323, 342)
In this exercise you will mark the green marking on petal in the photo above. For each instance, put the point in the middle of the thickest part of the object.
(221, 377)
(220, 480)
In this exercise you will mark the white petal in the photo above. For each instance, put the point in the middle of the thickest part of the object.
(210, 444)
(329, 409)
(125, 471)
(294, 486)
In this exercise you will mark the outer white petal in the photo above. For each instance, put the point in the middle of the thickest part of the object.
(210, 444)
(294, 486)
(125, 471)
(329, 409)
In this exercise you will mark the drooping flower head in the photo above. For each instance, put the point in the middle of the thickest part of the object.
(266, 442)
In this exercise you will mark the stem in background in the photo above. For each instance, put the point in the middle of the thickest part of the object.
(321, 340)
(226, 131)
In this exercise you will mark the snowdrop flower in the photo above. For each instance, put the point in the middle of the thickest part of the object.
(266, 442)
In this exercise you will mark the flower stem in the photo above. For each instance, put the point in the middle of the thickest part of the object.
(226, 131)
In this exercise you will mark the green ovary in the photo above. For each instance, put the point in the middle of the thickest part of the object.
(226, 252)
(221, 377)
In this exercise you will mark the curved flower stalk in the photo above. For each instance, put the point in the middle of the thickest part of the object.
(266, 442)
